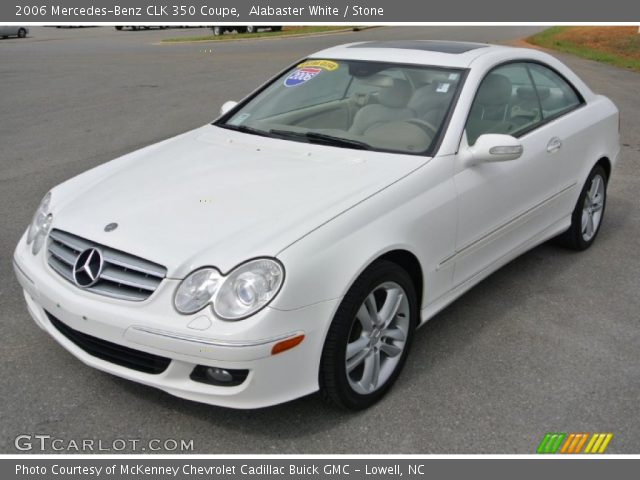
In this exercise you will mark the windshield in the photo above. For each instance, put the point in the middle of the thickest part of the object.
(352, 104)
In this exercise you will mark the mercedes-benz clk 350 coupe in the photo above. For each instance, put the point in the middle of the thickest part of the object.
(295, 244)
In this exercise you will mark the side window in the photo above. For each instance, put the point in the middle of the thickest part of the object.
(506, 102)
(556, 95)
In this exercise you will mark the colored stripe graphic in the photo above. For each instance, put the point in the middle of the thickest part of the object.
(598, 443)
(551, 442)
(572, 443)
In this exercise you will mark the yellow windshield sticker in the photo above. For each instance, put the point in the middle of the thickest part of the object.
(324, 64)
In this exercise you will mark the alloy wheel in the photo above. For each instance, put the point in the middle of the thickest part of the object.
(378, 338)
(592, 208)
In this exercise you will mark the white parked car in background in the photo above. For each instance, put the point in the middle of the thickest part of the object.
(13, 31)
(296, 243)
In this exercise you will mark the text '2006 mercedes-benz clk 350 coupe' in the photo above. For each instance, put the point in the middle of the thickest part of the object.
(295, 244)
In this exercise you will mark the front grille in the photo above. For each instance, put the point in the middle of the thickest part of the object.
(112, 352)
(123, 276)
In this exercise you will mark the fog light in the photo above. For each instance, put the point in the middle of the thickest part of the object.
(218, 375)
(222, 377)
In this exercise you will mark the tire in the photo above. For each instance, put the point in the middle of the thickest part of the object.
(276, 28)
(22, 33)
(217, 31)
(118, 28)
(588, 214)
(241, 30)
(357, 386)
(250, 29)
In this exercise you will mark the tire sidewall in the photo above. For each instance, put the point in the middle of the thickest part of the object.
(343, 321)
(576, 220)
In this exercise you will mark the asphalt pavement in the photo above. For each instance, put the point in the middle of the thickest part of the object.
(550, 343)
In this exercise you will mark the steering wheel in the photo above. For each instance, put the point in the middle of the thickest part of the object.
(426, 126)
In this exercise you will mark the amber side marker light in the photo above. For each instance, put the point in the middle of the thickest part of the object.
(287, 344)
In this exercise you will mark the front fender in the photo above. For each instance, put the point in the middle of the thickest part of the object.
(417, 213)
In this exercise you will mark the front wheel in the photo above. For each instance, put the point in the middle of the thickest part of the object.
(369, 338)
(22, 33)
(217, 31)
(588, 213)
(251, 29)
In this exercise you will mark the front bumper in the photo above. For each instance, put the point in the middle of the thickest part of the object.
(154, 327)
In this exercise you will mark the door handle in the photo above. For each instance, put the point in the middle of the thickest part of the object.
(554, 145)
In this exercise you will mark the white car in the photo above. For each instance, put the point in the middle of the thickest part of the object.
(296, 243)
(19, 31)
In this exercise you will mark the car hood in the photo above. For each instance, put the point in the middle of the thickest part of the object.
(219, 197)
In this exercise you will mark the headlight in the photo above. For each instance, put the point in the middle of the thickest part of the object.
(197, 290)
(40, 225)
(247, 289)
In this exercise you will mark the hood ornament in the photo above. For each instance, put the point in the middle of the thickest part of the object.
(110, 227)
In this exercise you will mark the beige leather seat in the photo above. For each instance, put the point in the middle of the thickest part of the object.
(392, 106)
(430, 102)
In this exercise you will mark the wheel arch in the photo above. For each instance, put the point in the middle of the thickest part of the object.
(605, 163)
(410, 263)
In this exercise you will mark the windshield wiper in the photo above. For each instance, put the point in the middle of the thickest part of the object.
(287, 134)
(244, 129)
(325, 139)
(338, 141)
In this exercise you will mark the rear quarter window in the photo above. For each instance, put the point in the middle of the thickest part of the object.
(557, 96)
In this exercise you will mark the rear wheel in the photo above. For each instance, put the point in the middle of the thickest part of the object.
(588, 213)
(217, 31)
(22, 33)
(369, 338)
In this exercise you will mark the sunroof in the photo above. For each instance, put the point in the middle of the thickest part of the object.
(426, 45)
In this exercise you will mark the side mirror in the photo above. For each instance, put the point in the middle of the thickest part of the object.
(494, 147)
(226, 106)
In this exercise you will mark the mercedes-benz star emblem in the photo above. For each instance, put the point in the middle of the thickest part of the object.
(88, 267)
(110, 227)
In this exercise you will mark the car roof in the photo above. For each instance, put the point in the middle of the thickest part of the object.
(424, 52)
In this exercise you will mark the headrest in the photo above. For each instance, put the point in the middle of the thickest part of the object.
(378, 80)
(425, 77)
(433, 94)
(528, 93)
(397, 95)
(494, 90)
